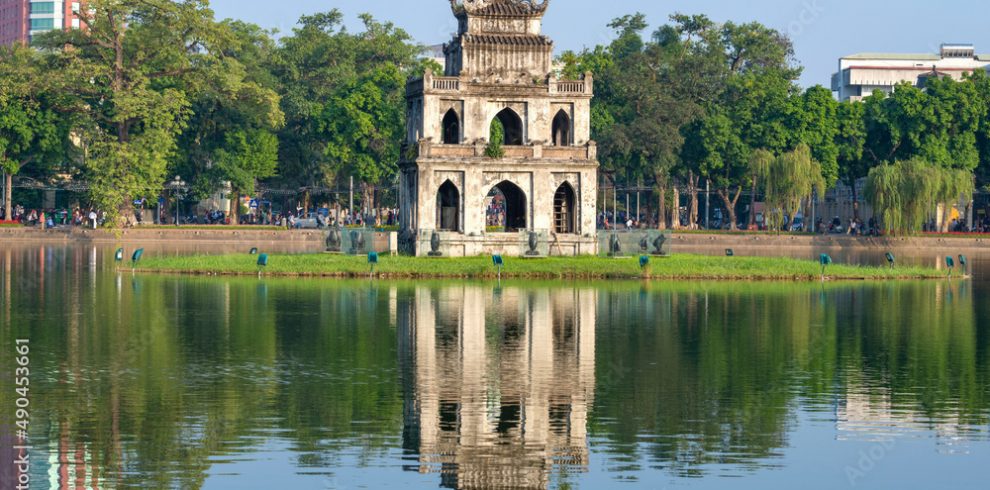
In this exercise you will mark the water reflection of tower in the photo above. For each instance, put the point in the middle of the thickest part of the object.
(498, 386)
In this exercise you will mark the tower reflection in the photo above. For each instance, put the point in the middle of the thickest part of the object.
(500, 383)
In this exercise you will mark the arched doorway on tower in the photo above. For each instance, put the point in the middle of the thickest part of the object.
(564, 210)
(451, 128)
(505, 208)
(512, 127)
(561, 129)
(448, 207)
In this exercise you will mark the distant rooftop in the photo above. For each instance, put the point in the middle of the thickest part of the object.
(946, 51)
(893, 56)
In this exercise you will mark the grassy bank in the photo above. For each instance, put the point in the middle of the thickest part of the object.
(676, 267)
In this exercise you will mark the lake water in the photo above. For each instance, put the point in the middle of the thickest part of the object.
(176, 382)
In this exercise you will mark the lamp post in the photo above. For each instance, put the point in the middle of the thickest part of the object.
(3, 195)
(708, 212)
(177, 185)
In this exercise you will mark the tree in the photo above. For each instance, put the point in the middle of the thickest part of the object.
(246, 156)
(795, 175)
(850, 138)
(938, 126)
(714, 146)
(816, 118)
(128, 73)
(30, 130)
(230, 137)
(756, 108)
(364, 124)
(343, 96)
(905, 192)
(760, 162)
(646, 92)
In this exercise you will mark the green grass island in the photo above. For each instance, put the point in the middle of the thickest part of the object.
(675, 267)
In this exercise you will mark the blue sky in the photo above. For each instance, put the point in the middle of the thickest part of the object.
(822, 30)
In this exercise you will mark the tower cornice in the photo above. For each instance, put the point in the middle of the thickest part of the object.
(499, 8)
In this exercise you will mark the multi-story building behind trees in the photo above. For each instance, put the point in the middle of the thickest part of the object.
(20, 20)
(862, 74)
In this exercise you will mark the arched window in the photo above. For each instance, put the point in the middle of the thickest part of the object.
(451, 128)
(512, 127)
(564, 218)
(505, 208)
(448, 207)
(561, 129)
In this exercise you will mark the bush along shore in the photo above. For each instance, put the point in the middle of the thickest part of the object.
(670, 268)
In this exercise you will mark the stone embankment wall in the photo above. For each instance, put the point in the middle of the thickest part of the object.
(766, 244)
(314, 241)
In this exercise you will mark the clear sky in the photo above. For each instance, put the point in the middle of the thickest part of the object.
(822, 30)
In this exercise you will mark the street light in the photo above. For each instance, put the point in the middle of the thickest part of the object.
(177, 186)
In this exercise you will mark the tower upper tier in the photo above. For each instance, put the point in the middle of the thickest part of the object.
(499, 41)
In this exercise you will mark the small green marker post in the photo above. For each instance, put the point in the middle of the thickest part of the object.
(136, 258)
(262, 263)
(372, 261)
(498, 262)
(826, 261)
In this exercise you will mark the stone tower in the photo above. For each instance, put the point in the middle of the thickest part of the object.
(459, 195)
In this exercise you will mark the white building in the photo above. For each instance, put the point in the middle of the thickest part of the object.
(861, 74)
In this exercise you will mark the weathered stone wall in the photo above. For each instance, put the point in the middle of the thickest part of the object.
(477, 104)
(475, 179)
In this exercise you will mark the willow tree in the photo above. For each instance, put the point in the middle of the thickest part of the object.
(792, 177)
(759, 169)
(905, 193)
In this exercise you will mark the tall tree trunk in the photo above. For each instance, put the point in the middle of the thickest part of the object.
(693, 208)
(662, 208)
(675, 210)
(8, 193)
(730, 205)
(369, 196)
(235, 207)
(855, 201)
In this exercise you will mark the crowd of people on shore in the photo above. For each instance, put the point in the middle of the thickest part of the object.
(303, 218)
(297, 218)
(52, 218)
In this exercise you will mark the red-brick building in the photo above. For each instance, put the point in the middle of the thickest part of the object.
(21, 19)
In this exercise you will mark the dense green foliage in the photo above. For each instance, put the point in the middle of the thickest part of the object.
(700, 101)
(31, 132)
(904, 193)
(157, 88)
